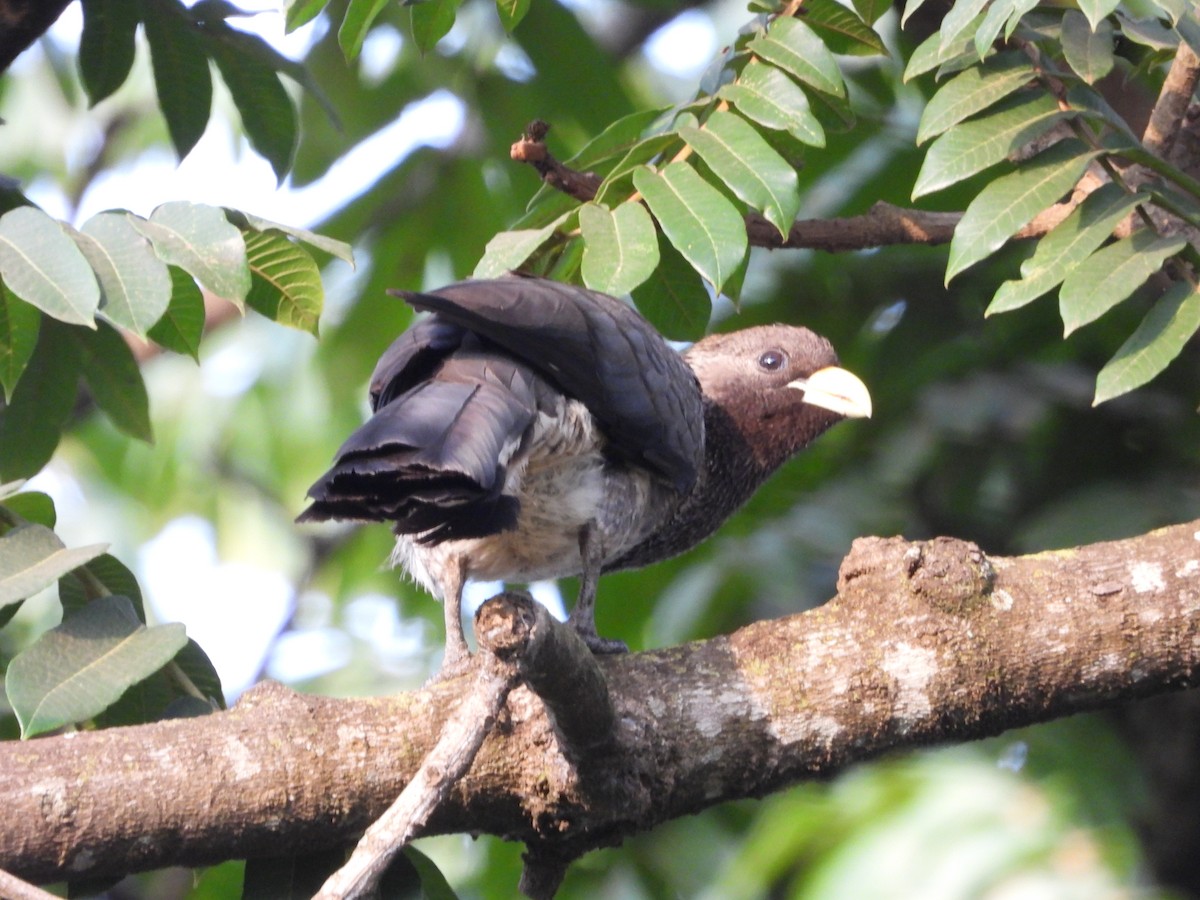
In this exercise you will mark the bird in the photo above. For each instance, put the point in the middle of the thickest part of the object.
(528, 429)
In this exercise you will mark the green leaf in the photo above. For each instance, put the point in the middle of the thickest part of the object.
(105, 575)
(182, 324)
(332, 246)
(1071, 242)
(161, 696)
(931, 54)
(909, 8)
(1111, 275)
(7, 613)
(973, 146)
(360, 16)
(33, 506)
(31, 424)
(1089, 102)
(673, 298)
(75, 671)
(1009, 202)
(544, 207)
(998, 12)
(32, 558)
(795, 47)
(199, 239)
(509, 249)
(223, 38)
(135, 287)
(301, 12)
(1175, 9)
(621, 246)
(181, 75)
(962, 18)
(434, 885)
(639, 154)
(203, 674)
(115, 381)
(616, 139)
(697, 218)
(1088, 52)
(432, 21)
(841, 28)
(19, 325)
(1158, 340)
(106, 46)
(871, 10)
(511, 12)
(768, 95)
(973, 90)
(265, 107)
(286, 284)
(758, 175)
(1149, 33)
(1188, 28)
(43, 267)
(1096, 10)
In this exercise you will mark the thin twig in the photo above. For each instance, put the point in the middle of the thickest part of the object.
(503, 644)
(13, 888)
(447, 762)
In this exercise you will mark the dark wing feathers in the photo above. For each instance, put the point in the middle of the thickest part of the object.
(431, 459)
(456, 394)
(413, 357)
(598, 350)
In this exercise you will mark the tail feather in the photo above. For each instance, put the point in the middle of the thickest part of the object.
(433, 460)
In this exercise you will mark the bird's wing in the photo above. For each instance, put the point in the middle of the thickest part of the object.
(412, 358)
(598, 350)
(432, 459)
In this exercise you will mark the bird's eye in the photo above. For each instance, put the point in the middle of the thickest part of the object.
(772, 360)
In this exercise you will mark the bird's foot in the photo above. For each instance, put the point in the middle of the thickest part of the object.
(453, 665)
(600, 646)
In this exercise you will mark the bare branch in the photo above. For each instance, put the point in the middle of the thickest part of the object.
(12, 888)
(1170, 114)
(531, 148)
(926, 642)
(446, 764)
(884, 225)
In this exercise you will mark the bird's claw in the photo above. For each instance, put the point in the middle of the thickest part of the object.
(453, 665)
(602, 646)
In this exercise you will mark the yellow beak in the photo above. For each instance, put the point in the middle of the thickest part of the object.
(836, 390)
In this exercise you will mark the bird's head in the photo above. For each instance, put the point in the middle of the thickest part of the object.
(780, 386)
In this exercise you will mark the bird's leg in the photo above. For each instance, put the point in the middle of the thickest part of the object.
(583, 616)
(457, 657)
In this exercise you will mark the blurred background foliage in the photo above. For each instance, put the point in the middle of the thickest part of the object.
(984, 430)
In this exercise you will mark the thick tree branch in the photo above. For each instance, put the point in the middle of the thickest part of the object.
(926, 642)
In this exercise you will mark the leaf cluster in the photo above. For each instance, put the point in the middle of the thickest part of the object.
(668, 221)
(103, 665)
(1022, 85)
(185, 41)
(65, 292)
